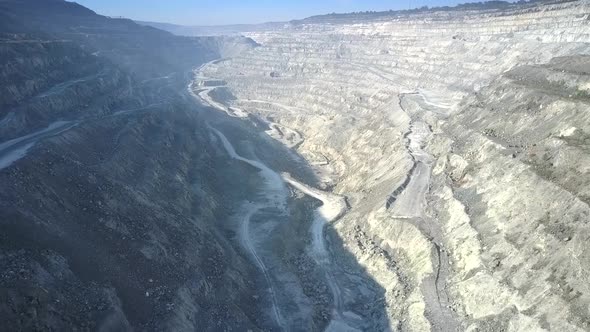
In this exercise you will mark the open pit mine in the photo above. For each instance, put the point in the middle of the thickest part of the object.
(421, 170)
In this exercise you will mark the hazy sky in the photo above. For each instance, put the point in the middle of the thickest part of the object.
(215, 12)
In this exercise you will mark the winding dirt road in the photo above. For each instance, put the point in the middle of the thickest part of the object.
(332, 208)
(275, 196)
(410, 205)
(15, 149)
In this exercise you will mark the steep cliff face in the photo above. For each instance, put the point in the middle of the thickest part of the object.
(459, 138)
(113, 192)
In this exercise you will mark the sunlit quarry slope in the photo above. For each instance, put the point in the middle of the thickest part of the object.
(459, 139)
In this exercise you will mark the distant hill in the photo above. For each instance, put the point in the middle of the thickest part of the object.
(225, 30)
(122, 41)
(239, 29)
(493, 5)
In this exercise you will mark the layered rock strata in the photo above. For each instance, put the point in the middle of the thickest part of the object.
(460, 141)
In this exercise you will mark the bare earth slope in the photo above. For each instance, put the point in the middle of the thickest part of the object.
(112, 190)
(461, 141)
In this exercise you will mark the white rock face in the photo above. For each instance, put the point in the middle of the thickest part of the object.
(462, 142)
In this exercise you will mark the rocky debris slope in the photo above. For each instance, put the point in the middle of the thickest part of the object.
(46, 79)
(89, 241)
(113, 192)
(459, 138)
